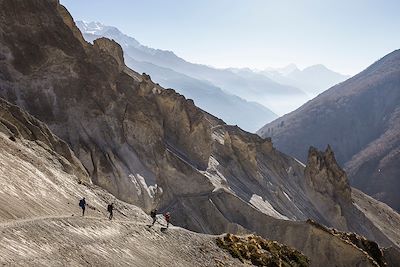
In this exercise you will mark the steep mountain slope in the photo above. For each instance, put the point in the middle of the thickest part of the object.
(38, 178)
(40, 190)
(313, 80)
(152, 147)
(40, 222)
(76, 241)
(360, 118)
(256, 87)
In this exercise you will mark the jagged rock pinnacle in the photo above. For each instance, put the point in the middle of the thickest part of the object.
(112, 48)
(325, 175)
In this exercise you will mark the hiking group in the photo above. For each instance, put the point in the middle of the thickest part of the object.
(153, 215)
(110, 210)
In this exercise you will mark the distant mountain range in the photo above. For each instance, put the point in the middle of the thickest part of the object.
(360, 118)
(243, 97)
(313, 80)
(188, 79)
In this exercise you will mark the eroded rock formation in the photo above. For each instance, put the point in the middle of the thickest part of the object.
(328, 185)
(17, 124)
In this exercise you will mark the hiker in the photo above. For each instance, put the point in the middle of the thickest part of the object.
(167, 217)
(153, 215)
(82, 204)
(110, 209)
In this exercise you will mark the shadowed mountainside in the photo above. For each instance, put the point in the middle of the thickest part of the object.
(360, 118)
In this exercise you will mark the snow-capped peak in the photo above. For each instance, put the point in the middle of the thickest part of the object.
(97, 29)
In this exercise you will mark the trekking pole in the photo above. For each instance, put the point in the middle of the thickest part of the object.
(121, 213)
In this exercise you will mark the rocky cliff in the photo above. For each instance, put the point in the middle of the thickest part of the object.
(152, 147)
(40, 226)
(17, 124)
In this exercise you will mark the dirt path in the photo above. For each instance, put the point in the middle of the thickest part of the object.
(20, 222)
(96, 241)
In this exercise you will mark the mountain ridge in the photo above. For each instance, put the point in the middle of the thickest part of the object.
(313, 79)
(366, 145)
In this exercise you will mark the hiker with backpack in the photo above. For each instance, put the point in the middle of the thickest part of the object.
(82, 204)
(167, 217)
(110, 209)
(153, 215)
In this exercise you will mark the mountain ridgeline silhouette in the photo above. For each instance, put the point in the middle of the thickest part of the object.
(313, 80)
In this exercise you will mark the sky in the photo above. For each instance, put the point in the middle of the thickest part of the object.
(344, 35)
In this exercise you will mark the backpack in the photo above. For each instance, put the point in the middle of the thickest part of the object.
(81, 204)
(153, 214)
(109, 208)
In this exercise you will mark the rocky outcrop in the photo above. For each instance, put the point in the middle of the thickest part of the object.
(325, 176)
(151, 147)
(370, 247)
(374, 254)
(110, 48)
(17, 124)
(328, 185)
(261, 252)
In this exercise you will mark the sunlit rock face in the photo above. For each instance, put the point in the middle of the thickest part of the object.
(327, 183)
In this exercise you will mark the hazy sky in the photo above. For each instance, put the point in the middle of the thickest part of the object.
(344, 35)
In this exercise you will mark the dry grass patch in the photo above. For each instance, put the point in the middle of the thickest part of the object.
(260, 252)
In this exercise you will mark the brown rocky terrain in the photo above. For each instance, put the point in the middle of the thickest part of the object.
(360, 119)
(151, 147)
(261, 252)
